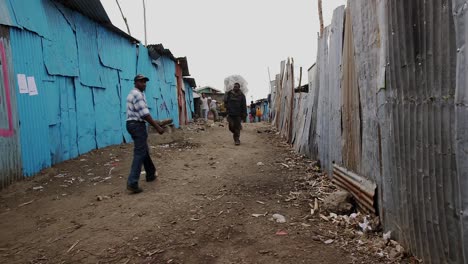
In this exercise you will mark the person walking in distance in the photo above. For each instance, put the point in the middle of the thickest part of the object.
(252, 112)
(214, 109)
(205, 108)
(236, 110)
(137, 114)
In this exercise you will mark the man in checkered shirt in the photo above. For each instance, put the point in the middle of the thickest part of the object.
(137, 114)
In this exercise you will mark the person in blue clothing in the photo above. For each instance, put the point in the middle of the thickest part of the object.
(137, 116)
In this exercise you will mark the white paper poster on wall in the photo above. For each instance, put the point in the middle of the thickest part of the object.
(22, 84)
(32, 86)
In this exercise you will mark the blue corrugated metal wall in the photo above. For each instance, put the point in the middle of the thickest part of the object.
(189, 100)
(82, 84)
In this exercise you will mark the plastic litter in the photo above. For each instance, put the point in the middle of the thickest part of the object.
(365, 225)
(279, 218)
(387, 236)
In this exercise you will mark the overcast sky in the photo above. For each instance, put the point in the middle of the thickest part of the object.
(222, 38)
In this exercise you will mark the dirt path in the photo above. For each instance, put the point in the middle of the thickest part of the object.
(199, 211)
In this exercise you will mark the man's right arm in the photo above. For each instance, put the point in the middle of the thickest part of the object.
(152, 122)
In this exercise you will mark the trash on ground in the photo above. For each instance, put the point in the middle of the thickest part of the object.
(329, 241)
(279, 218)
(281, 233)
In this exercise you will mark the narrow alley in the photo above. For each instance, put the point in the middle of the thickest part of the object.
(212, 204)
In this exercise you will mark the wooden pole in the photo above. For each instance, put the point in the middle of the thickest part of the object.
(124, 18)
(144, 18)
(320, 17)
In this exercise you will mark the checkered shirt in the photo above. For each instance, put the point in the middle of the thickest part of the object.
(137, 108)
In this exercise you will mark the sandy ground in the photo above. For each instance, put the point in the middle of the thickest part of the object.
(199, 211)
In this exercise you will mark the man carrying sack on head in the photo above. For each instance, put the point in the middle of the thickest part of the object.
(236, 106)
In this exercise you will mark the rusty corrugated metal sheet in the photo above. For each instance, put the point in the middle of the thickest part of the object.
(420, 105)
(363, 190)
(460, 9)
(10, 156)
(351, 103)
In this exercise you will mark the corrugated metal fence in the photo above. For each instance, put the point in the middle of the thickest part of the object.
(83, 73)
(388, 100)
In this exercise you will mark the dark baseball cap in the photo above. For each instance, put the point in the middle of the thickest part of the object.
(140, 77)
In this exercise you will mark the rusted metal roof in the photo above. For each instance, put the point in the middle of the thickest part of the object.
(158, 50)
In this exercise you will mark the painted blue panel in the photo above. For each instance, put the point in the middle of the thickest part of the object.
(7, 16)
(31, 15)
(68, 126)
(146, 67)
(189, 100)
(169, 103)
(117, 52)
(67, 13)
(169, 70)
(55, 144)
(85, 116)
(125, 87)
(60, 49)
(89, 64)
(34, 129)
(107, 107)
(51, 94)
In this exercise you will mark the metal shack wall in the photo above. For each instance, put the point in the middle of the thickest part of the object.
(10, 156)
(189, 101)
(461, 115)
(420, 103)
(82, 86)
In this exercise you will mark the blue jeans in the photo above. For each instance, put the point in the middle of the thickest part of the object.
(141, 154)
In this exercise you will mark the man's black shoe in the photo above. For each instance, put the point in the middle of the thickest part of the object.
(134, 189)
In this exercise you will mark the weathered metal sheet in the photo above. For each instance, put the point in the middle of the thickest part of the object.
(10, 156)
(335, 52)
(363, 190)
(460, 9)
(313, 98)
(89, 63)
(181, 95)
(189, 100)
(85, 117)
(34, 130)
(125, 87)
(286, 114)
(31, 16)
(7, 16)
(421, 108)
(367, 47)
(108, 126)
(168, 104)
(60, 48)
(351, 102)
(321, 135)
(110, 44)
